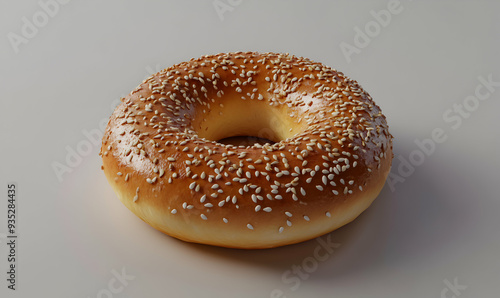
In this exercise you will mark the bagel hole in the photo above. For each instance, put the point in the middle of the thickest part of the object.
(245, 141)
(245, 123)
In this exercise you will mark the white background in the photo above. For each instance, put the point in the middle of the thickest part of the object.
(438, 225)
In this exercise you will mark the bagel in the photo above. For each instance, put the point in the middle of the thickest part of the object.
(328, 155)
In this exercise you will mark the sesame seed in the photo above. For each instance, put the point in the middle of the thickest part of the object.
(250, 226)
(254, 198)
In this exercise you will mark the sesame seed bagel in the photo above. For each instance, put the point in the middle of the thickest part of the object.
(328, 157)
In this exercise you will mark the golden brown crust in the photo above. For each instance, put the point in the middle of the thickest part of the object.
(332, 154)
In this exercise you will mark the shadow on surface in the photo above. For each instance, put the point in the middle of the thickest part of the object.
(413, 223)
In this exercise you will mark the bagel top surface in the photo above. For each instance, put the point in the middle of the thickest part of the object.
(329, 156)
